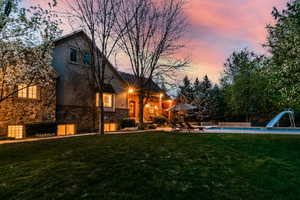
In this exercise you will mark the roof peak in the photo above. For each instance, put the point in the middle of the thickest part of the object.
(71, 34)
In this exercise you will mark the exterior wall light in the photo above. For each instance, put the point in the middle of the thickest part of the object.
(130, 90)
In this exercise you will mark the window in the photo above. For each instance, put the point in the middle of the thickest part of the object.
(32, 92)
(73, 55)
(27, 92)
(22, 91)
(66, 129)
(132, 109)
(15, 131)
(151, 110)
(109, 127)
(87, 59)
(97, 100)
(107, 100)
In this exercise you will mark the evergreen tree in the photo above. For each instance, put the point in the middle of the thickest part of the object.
(206, 83)
(196, 84)
(217, 104)
(186, 91)
(202, 97)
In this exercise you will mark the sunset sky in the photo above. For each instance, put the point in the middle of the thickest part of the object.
(218, 27)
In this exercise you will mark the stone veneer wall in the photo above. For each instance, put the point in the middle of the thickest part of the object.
(86, 118)
(82, 116)
(116, 116)
(19, 111)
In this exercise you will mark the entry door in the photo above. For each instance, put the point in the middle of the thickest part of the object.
(132, 109)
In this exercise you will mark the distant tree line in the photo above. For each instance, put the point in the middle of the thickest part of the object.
(254, 87)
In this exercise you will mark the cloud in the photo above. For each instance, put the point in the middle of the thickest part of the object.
(218, 27)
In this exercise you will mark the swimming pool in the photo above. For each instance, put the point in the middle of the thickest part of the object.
(255, 130)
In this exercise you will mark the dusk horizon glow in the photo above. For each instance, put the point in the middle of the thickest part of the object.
(217, 29)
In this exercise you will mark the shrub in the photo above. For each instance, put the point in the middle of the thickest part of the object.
(6, 138)
(40, 128)
(151, 126)
(127, 123)
(160, 121)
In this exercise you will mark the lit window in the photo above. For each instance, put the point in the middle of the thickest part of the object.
(73, 55)
(108, 127)
(66, 129)
(132, 109)
(87, 59)
(22, 91)
(27, 92)
(97, 100)
(15, 131)
(107, 100)
(151, 110)
(32, 92)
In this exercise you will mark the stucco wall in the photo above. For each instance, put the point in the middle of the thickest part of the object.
(74, 85)
(76, 96)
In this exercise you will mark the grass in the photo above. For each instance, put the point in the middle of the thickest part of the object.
(153, 166)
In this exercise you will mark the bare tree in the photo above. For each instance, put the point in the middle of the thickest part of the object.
(151, 41)
(98, 19)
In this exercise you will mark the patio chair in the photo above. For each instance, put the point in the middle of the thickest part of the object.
(183, 126)
(174, 126)
(191, 127)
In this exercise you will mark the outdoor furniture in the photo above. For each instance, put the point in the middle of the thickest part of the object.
(209, 124)
(184, 126)
(174, 126)
(192, 127)
(178, 126)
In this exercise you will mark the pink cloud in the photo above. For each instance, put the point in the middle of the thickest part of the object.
(242, 19)
(217, 28)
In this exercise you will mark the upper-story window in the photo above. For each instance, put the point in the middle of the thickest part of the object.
(107, 100)
(73, 55)
(27, 92)
(86, 59)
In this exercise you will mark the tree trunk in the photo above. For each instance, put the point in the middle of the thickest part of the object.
(101, 114)
(141, 112)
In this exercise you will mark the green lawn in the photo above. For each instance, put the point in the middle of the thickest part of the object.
(153, 166)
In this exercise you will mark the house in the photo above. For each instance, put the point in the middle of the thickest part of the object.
(77, 98)
(72, 102)
(156, 102)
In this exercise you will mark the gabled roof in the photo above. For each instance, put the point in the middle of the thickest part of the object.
(126, 78)
(83, 34)
(130, 78)
(69, 35)
(109, 88)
